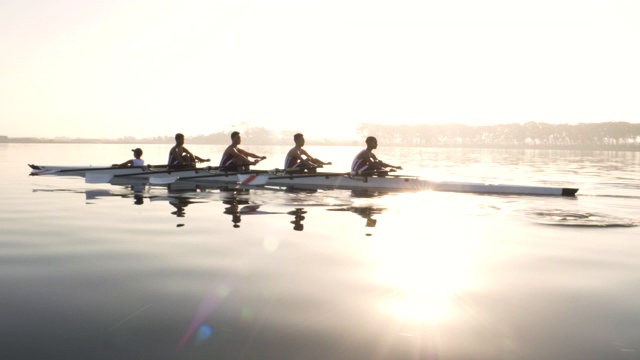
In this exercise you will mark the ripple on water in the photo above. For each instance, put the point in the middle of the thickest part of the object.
(561, 217)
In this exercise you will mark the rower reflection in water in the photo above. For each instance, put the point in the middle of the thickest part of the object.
(234, 210)
(298, 217)
(138, 193)
(239, 206)
(234, 201)
(180, 203)
(365, 212)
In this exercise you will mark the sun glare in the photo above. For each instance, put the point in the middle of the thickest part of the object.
(425, 271)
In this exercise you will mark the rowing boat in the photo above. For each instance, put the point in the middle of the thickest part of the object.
(102, 174)
(409, 183)
(275, 178)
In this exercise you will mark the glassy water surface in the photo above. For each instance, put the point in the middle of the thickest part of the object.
(106, 271)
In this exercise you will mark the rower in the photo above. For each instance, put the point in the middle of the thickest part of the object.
(180, 157)
(295, 163)
(236, 159)
(367, 163)
(136, 161)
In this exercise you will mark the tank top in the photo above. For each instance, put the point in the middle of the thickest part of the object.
(226, 160)
(360, 164)
(171, 159)
(291, 162)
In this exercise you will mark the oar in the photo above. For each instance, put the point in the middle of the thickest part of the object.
(295, 169)
(378, 172)
(161, 180)
(93, 178)
(292, 176)
(93, 168)
(39, 171)
(167, 171)
(251, 177)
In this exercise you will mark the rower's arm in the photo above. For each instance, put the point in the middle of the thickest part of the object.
(317, 162)
(311, 160)
(384, 164)
(239, 154)
(177, 156)
(248, 154)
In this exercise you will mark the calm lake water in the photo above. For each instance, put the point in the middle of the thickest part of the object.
(102, 271)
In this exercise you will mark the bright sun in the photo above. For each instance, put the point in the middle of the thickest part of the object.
(426, 271)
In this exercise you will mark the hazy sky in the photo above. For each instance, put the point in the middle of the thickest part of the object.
(148, 68)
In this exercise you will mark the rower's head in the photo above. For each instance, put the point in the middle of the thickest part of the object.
(235, 138)
(371, 142)
(137, 153)
(179, 139)
(298, 139)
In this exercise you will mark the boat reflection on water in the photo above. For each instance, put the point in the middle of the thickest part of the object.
(138, 192)
(239, 204)
(236, 201)
(178, 196)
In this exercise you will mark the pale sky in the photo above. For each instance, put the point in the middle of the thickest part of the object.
(108, 69)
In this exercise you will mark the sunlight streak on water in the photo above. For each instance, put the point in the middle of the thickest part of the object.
(425, 267)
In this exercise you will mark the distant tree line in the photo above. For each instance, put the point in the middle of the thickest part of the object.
(606, 135)
(622, 135)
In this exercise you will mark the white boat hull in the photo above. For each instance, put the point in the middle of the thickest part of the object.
(401, 183)
(211, 177)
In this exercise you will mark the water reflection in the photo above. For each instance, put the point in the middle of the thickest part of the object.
(238, 204)
(298, 217)
(137, 192)
(367, 212)
(234, 210)
(561, 217)
(179, 197)
(457, 276)
(367, 193)
(179, 203)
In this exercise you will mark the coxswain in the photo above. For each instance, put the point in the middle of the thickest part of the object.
(136, 161)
